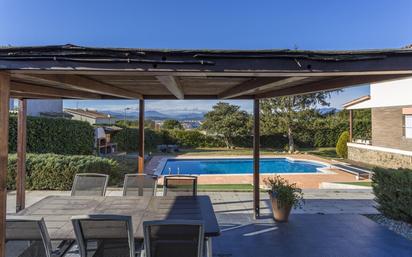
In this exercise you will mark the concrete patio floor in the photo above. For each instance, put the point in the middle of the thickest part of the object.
(309, 235)
(328, 225)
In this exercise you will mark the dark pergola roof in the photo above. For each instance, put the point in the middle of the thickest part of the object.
(70, 71)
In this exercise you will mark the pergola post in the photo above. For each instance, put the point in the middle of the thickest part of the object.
(4, 145)
(256, 157)
(140, 159)
(350, 125)
(21, 155)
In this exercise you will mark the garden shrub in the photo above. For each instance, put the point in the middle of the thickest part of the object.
(393, 191)
(50, 135)
(128, 138)
(194, 138)
(56, 172)
(341, 145)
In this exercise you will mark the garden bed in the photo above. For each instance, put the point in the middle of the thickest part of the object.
(399, 227)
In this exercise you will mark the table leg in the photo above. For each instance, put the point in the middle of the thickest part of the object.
(209, 252)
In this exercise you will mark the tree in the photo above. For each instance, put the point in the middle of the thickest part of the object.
(227, 121)
(341, 145)
(287, 113)
(172, 124)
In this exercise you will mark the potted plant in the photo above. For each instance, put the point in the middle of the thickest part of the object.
(283, 196)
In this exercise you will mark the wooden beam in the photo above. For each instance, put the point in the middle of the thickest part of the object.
(21, 155)
(329, 84)
(173, 85)
(81, 83)
(4, 145)
(256, 157)
(20, 87)
(17, 95)
(140, 158)
(255, 85)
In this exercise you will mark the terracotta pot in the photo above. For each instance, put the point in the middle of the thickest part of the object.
(280, 214)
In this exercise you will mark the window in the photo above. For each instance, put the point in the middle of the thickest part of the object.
(408, 126)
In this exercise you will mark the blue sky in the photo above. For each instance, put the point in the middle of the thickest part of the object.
(315, 24)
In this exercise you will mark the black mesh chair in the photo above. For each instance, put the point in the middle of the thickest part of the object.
(89, 184)
(180, 185)
(173, 238)
(28, 237)
(139, 184)
(113, 235)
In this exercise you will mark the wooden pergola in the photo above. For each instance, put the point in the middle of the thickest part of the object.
(73, 72)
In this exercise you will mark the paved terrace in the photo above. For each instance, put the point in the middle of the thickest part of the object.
(328, 225)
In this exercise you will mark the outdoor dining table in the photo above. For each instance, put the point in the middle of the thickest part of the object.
(57, 211)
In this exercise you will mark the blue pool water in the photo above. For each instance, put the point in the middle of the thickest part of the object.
(237, 166)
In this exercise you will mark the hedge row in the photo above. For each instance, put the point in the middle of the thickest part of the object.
(393, 191)
(59, 136)
(56, 172)
(127, 139)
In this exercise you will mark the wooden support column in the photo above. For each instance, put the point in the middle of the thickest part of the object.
(4, 145)
(141, 137)
(350, 125)
(256, 157)
(21, 156)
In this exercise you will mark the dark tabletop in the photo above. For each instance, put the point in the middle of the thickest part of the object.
(57, 210)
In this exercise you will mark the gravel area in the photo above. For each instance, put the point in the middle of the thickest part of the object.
(400, 227)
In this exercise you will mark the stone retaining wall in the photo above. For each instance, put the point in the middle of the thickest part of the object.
(379, 158)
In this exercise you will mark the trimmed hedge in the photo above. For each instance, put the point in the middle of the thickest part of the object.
(56, 172)
(193, 138)
(127, 139)
(393, 191)
(49, 135)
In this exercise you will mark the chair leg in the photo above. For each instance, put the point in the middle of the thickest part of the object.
(208, 242)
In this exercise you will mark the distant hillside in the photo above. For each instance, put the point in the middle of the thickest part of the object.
(155, 115)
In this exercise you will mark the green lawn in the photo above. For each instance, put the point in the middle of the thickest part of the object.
(325, 152)
(328, 152)
(220, 151)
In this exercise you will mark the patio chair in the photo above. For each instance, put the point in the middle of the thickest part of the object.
(113, 235)
(89, 184)
(139, 184)
(28, 237)
(173, 238)
(180, 185)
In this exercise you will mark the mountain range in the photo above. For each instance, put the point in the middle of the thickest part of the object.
(155, 115)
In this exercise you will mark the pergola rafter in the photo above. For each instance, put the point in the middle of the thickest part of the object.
(78, 82)
(76, 72)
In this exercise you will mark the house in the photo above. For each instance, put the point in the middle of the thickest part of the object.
(91, 116)
(391, 109)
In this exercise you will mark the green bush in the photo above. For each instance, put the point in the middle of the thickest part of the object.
(193, 138)
(128, 138)
(56, 172)
(341, 145)
(59, 136)
(393, 191)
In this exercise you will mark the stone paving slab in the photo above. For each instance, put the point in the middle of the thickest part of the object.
(317, 201)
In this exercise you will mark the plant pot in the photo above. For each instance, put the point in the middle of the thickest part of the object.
(280, 213)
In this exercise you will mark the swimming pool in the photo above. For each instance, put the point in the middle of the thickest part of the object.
(238, 166)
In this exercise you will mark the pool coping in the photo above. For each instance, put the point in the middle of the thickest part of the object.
(324, 170)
